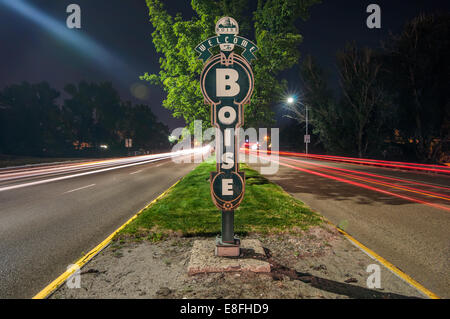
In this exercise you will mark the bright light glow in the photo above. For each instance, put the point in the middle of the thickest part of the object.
(104, 146)
(254, 147)
(290, 100)
(77, 39)
(98, 166)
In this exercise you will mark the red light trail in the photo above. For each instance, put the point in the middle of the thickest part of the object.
(371, 162)
(351, 174)
(375, 181)
(367, 187)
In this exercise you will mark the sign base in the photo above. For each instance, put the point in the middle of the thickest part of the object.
(252, 258)
(228, 249)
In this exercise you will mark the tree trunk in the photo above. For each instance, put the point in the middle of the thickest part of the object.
(360, 133)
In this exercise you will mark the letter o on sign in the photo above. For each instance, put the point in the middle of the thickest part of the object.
(227, 115)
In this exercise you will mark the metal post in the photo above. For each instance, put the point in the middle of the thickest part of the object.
(228, 227)
(306, 142)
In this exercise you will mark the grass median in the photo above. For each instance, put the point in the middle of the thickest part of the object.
(187, 209)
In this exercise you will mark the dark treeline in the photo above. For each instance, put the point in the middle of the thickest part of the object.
(393, 102)
(91, 121)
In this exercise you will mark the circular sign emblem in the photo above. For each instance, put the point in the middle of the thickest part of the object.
(227, 26)
(227, 189)
(227, 78)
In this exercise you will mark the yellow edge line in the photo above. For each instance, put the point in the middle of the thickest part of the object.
(387, 264)
(44, 293)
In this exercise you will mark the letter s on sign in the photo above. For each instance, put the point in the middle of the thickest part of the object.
(227, 160)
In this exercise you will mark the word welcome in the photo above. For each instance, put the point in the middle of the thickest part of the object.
(248, 54)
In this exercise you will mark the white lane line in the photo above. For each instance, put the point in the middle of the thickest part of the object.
(136, 172)
(77, 189)
(161, 164)
(77, 175)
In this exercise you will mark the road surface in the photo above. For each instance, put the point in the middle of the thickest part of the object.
(404, 216)
(51, 215)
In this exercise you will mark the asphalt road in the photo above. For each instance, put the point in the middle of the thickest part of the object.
(51, 215)
(404, 216)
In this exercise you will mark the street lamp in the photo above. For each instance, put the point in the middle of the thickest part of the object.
(290, 100)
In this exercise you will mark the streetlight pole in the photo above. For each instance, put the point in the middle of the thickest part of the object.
(307, 138)
(306, 141)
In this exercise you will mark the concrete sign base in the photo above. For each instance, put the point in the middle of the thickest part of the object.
(252, 258)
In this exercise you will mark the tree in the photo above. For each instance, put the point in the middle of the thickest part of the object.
(143, 127)
(96, 111)
(326, 117)
(361, 116)
(273, 28)
(419, 68)
(31, 121)
(364, 94)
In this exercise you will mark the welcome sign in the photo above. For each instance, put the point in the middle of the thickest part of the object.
(227, 85)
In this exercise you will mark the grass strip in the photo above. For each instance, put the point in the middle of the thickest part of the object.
(187, 210)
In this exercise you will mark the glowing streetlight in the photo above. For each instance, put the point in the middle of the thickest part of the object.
(290, 100)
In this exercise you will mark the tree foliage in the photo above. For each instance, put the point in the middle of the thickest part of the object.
(393, 101)
(33, 121)
(272, 25)
(419, 69)
(364, 95)
(29, 118)
(327, 115)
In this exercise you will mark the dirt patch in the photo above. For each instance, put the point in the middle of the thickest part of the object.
(318, 264)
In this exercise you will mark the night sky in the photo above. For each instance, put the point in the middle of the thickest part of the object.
(29, 51)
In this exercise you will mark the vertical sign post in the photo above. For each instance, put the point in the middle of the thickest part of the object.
(227, 85)
(128, 144)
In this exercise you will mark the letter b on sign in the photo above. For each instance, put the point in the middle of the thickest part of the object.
(226, 83)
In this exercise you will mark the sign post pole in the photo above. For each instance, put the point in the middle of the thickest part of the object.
(227, 85)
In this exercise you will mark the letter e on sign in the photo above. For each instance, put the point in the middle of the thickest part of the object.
(227, 187)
